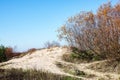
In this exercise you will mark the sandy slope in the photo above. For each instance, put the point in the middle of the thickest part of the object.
(41, 59)
(45, 60)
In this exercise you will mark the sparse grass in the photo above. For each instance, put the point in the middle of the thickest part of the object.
(101, 79)
(108, 76)
(71, 69)
(2, 65)
(112, 66)
(67, 57)
(20, 74)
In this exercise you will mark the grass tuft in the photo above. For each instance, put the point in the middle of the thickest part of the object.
(20, 74)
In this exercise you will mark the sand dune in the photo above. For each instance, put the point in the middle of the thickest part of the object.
(46, 59)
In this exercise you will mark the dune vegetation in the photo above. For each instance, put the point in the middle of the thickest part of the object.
(19, 74)
(92, 53)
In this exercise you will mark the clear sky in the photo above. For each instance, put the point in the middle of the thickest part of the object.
(30, 23)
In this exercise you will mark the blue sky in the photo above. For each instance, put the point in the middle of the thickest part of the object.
(30, 23)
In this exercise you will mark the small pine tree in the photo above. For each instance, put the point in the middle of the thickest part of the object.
(2, 54)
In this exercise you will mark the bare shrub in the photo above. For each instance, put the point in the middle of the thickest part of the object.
(98, 32)
(51, 44)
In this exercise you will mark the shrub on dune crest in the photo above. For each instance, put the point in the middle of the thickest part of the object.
(51, 44)
(99, 33)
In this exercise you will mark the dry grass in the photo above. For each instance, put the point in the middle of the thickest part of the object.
(19, 74)
(112, 66)
(72, 69)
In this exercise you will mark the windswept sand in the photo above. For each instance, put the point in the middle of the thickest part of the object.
(40, 59)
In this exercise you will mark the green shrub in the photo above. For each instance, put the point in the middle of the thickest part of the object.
(82, 56)
(2, 54)
(86, 55)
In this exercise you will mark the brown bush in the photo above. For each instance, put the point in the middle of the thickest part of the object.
(9, 52)
(98, 32)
